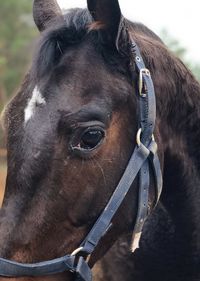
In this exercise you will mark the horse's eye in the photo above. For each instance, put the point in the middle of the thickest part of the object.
(86, 141)
(91, 138)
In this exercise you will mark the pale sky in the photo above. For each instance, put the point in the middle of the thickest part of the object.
(180, 18)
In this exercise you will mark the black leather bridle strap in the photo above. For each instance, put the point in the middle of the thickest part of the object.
(146, 96)
(10, 268)
(139, 156)
(155, 163)
(146, 116)
(143, 198)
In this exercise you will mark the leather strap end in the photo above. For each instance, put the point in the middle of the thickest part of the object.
(83, 272)
(136, 241)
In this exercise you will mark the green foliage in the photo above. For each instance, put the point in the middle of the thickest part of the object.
(176, 47)
(16, 35)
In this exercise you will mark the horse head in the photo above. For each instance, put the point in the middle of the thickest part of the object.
(70, 134)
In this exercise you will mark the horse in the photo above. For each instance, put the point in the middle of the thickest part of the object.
(71, 130)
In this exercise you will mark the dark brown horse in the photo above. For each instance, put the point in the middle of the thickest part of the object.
(70, 133)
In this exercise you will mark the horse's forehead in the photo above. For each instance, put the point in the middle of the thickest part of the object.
(83, 66)
(81, 77)
(77, 89)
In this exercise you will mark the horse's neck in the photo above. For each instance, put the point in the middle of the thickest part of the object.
(180, 131)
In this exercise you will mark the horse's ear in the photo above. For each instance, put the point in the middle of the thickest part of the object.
(107, 16)
(44, 12)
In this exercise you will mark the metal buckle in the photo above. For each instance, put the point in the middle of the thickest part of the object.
(75, 252)
(138, 137)
(146, 72)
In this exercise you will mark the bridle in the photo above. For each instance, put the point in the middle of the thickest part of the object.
(143, 158)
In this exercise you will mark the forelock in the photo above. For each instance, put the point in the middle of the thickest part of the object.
(54, 41)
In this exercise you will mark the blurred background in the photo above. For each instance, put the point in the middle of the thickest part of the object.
(174, 21)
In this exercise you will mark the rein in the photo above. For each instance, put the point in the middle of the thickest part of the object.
(143, 157)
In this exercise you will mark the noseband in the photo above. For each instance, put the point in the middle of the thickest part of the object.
(143, 158)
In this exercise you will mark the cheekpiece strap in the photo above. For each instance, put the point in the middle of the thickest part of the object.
(147, 117)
